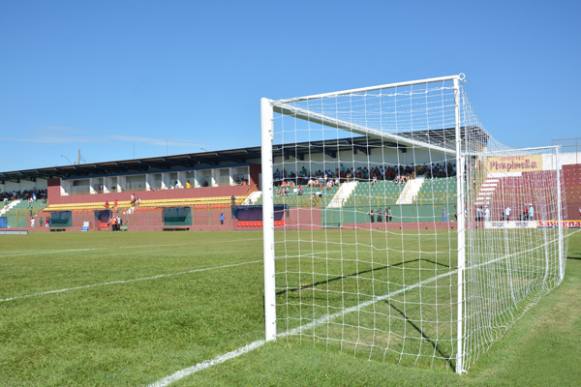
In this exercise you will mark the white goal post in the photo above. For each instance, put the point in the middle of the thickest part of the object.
(395, 227)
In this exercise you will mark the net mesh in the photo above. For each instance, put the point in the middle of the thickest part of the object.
(367, 257)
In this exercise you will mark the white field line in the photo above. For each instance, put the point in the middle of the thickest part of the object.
(128, 281)
(22, 253)
(18, 253)
(207, 364)
(166, 381)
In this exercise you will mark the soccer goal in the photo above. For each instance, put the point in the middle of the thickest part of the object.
(404, 232)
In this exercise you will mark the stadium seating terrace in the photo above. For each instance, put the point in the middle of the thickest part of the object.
(213, 183)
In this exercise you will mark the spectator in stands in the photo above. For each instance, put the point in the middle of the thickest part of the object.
(23, 195)
(221, 218)
(400, 174)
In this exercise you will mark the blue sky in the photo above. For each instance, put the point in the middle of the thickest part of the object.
(123, 79)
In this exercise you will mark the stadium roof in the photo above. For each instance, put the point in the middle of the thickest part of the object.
(134, 166)
(441, 137)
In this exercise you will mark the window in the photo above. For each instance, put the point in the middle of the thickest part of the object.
(204, 178)
(98, 185)
(136, 182)
(240, 175)
(223, 177)
(81, 186)
(156, 181)
(174, 181)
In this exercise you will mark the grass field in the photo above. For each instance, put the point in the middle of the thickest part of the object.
(130, 308)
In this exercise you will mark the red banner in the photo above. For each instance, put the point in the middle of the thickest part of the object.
(566, 223)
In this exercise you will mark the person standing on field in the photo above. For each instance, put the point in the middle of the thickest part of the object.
(507, 212)
(371, 216)
(221, 218)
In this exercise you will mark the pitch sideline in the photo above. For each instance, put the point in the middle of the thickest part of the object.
(123, 282)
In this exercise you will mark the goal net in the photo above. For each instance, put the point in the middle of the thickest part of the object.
(404, 231)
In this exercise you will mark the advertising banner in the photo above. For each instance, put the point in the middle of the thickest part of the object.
(512, 164)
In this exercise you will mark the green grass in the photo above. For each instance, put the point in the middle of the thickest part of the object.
(123, 334)
(350, 268)
(135, 333)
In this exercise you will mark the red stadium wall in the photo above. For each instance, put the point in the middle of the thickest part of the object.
(151, 219)
(517, 191)
(572, 188)
(54, 194)
(255, 170)
(303, 218)
(53, 189)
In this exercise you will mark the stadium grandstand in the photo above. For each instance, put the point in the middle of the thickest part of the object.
(220, 190)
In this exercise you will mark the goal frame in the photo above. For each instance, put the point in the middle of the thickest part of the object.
(269, 107)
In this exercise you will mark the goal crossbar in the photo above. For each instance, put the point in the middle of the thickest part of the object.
(371, 88)
(307, 115)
